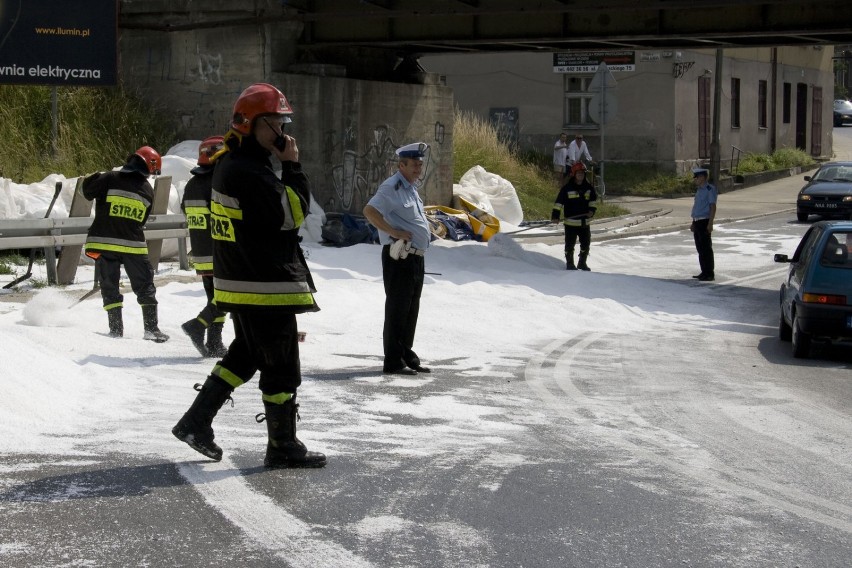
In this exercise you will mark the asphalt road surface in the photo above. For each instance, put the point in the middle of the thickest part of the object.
(605, 449)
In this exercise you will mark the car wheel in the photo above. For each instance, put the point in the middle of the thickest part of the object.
(801, 340)
(785, 332)
(801, 216)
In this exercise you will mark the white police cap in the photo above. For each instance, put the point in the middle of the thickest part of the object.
(415, 150)
(699, 172)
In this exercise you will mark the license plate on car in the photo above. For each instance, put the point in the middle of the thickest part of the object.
(825, 205)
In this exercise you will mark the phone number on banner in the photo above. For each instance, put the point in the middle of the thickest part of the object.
(591, 68)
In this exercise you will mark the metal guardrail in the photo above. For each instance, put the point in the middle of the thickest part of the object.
(52, 233)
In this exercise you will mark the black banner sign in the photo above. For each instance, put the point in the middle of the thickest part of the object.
(58, 42)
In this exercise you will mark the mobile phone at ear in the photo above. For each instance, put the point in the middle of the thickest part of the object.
(280, 143)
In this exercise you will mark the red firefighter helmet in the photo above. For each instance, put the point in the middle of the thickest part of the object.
(209, 147)
(151, 158)
(578, 167)
(258, 100)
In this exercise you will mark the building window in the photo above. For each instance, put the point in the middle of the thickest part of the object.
(761, 104)
(787, 103)
(735, 102)
(576, 111)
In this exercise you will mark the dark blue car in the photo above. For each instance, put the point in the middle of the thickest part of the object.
(828, 193)
(816, 296)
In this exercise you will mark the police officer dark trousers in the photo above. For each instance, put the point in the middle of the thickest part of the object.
(403, 279)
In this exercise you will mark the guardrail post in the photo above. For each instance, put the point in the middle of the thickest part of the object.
(50, 262)
(69, 258)
(162, 187)
(182, 256)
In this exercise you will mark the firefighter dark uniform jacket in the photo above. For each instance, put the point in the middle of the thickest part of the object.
(122, 205)
(575, 201)
(254, 221)
(196, 206)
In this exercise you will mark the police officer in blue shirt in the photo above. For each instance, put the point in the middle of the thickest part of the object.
(396, 210)
(703, 213)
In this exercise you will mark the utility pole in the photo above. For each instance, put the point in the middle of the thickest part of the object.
(715, 145)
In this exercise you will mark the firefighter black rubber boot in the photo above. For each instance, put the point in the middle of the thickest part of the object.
(116, 323)
(214, 345)
(569, 261)
(195, 330)
(149, 320)
(582, 262)
(284, 449)
(196, 426)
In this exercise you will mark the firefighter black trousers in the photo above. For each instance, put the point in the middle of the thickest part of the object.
(265, 341)
(572, 233)
(138, 269)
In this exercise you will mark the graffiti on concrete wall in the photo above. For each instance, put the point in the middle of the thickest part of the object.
(506, 123)
(209, 69)
(357, 177)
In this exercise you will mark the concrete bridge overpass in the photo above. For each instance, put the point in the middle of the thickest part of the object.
(428, 26)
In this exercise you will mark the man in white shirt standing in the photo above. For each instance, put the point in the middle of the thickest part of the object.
(577, 150)
(560, 152)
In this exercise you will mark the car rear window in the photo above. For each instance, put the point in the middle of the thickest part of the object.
(836, 251)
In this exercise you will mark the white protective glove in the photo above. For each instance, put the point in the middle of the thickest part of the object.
(399, 249)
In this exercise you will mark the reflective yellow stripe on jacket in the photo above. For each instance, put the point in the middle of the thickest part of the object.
(240, 292)
(293, 214)
(106, 244)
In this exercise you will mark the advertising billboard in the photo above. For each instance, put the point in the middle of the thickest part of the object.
(59, 42)
(588, 61)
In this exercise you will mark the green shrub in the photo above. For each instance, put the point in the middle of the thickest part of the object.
(14, 259)
(663, 185)
(791, 157)
(97, 129)
(782, 158)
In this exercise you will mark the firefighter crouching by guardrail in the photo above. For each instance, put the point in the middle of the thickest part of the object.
(116, 237)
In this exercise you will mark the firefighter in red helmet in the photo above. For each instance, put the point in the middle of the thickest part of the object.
(259, 275)
(123, 201)
(196, 206)
(576, 204)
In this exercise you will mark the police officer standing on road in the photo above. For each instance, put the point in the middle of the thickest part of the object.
(703, 213)
(259, 275)
(196, 206)
(396, 210)
(116, 237)
(576, 202)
